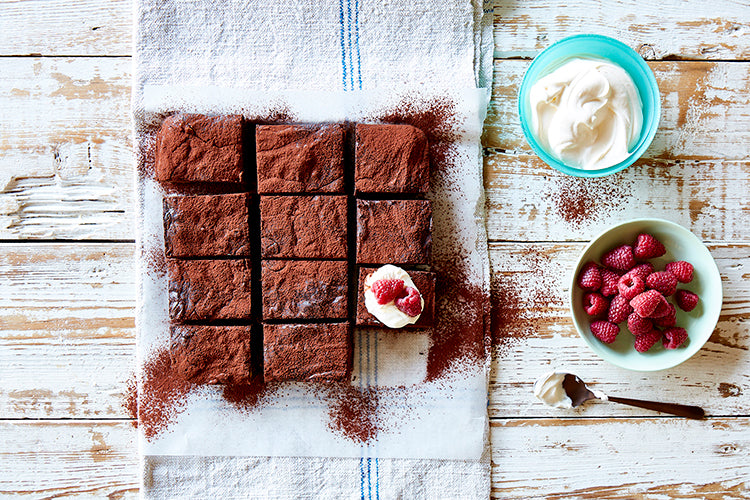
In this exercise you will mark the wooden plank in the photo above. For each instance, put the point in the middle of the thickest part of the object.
(530, 458)
(705, 110)
(61, 28)
(85, 459)
(620, 458)
(530, 201)
(674, 29)
(532, 318)
(66, 169)
(68, 313)
(692, 29)
(70, 177)
(67, 330)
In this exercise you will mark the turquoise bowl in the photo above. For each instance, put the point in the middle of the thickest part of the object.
(681, 244)
(599, 47)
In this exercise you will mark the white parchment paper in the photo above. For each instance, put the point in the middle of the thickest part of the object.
(446, 418)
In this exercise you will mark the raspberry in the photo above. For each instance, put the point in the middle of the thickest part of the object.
(674, 337)
(590, 277)
(641, 270)
(662, 310)
(630, 286)
(646, 303)
(619, 309)
(609, 282)
(668, 319)
(663, 282)
(594, 304)
(620, 258)
(648, 247)
(605, 331)
(638, 325)
(686, 300)
(682, 270)
(411, 305)
(646, 341)
(386, 290)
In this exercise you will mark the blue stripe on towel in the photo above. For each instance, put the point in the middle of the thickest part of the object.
(356, 42)
(369, 482)
(343, 47)
(349, 43)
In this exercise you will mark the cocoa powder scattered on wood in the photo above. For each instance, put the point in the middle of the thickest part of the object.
(581, 200)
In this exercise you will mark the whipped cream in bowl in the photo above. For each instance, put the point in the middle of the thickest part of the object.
(587, 113)
(589, 105)
(392, 297)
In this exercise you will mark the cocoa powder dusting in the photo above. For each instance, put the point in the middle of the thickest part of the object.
(520, 297)
(460, 336)
(162, 394)
(353, 411)
(131, 399)
(435, 117)
(247, 396)
(579, 200)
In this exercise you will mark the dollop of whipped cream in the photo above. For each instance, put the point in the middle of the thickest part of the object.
(389, 314)
(587, 113)
(549, 390)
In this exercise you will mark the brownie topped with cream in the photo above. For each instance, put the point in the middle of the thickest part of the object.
(424, 281)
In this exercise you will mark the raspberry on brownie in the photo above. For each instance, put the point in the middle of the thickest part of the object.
(394, 231)
(391, 159)
(425, 283)
(207, 226)
(199, 148)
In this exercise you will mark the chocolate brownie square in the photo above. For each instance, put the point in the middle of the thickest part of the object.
(391, 159)
(207, 226)
(300, 158)
(309, 227)
(394, 231)
(209, 289)
(212, 354)
(198, 148)
(425, 283)
(295, 289)
(309, 352)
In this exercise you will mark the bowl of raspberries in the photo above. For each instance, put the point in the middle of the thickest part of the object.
(646, 294)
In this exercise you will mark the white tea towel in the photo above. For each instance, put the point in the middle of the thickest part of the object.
(323, 61)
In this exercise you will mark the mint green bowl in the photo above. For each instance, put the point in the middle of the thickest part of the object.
(599, 47)
(681, 244)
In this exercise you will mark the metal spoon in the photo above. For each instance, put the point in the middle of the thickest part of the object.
(577, 391)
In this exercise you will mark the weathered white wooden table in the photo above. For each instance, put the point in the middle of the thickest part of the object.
(67, 279)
